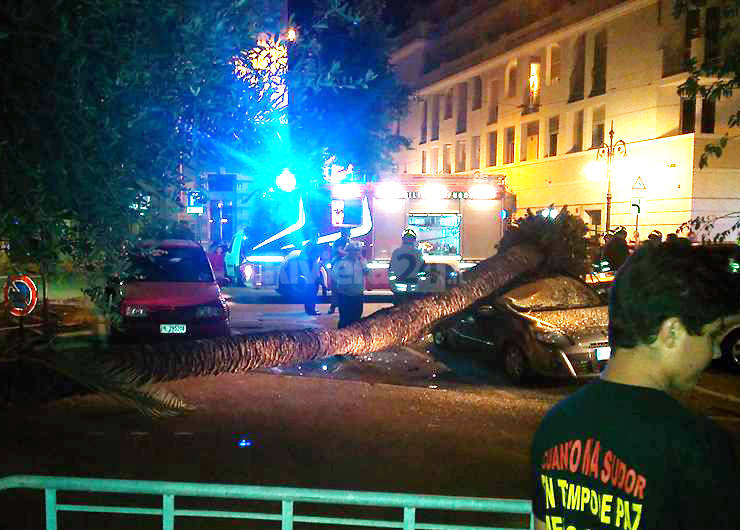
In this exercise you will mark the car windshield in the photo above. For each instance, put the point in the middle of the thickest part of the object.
(171, 264)
(559, 292)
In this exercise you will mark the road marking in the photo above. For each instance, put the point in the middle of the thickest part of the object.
(139, 433)
(184, 433)
(717, 394)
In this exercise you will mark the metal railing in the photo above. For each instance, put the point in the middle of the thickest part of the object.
(288, 497)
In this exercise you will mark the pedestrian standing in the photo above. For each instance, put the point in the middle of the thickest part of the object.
(622, 452)
(216, 257)
(617, 250)
(407, 261)
(349, 278)
(308, 278)
(338, 251)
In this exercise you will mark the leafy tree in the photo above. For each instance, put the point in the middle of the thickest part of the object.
(355, 117)
(106, 104)
(568, 254)
(723, 70)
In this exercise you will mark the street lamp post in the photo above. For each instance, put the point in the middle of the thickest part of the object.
(607, 152)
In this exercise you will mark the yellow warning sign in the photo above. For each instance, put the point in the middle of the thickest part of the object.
(639, 184)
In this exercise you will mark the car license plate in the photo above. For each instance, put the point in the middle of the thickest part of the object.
(172, 328)
(602, 354)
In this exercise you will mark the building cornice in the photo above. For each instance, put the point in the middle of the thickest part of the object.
(581, 26)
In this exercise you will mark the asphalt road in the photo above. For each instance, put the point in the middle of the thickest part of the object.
(417, 420)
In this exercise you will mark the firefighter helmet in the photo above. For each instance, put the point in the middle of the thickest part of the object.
(408, 235)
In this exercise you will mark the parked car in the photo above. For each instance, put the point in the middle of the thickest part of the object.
(170, 291)
(554, 326)
(730, 346)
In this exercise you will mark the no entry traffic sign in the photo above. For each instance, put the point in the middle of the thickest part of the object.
(21, 294)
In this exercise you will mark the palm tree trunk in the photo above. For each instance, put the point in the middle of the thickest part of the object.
(380, 331)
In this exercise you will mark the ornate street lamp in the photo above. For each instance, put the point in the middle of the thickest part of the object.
(607, 152)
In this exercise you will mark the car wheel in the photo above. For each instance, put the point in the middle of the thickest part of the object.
(731, 350)
(515, 363)
(440, 338)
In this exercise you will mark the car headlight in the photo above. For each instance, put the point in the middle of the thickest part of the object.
(209, 311)
(136, 311)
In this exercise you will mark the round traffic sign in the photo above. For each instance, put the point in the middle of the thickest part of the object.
(21, 293)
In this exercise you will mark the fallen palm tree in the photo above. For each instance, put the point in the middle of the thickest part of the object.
(380, 331)
(537, 244)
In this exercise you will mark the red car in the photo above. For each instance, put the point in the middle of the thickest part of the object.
(171, 292)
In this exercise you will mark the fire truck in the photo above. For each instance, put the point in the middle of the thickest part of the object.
(458, 222)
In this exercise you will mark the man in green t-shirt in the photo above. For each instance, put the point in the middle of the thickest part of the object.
(621, 452)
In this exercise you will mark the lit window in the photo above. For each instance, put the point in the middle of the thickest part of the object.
(534, 83)
(439, 234)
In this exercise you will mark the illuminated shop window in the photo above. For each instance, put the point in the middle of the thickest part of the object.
(438, 234)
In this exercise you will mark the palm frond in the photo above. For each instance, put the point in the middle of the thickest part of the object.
(91, 370)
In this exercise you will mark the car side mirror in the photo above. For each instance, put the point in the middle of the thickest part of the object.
(486, 310)
(223, 282)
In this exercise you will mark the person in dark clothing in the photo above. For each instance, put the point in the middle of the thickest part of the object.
(338, 251)
(349, 279)
(622, 452)
(617, 249)
(309, 276)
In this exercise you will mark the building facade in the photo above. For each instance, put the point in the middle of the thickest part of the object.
(528, 91)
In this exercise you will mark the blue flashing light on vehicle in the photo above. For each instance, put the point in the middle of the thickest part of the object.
(286, 181)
